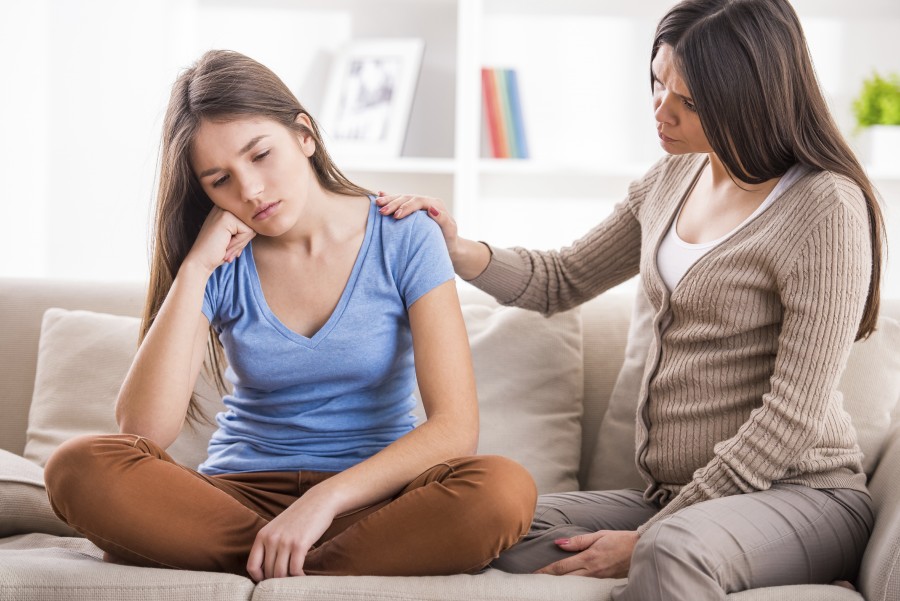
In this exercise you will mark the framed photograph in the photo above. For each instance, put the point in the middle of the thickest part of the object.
(369, 96)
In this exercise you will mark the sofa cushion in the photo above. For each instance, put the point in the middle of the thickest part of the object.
(612, 465)
(82, 360)
(869, 384)
(528, 370)
(24, 506)
(879, 574)
(39, 566)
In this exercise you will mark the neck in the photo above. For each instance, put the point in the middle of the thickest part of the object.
(722, 179)
(317, 225)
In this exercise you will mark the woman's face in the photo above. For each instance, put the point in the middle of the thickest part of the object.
(256, 169)
(677, 123)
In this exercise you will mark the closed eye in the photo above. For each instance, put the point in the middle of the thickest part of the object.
(261, 156)
(220, 181)
(689, 105)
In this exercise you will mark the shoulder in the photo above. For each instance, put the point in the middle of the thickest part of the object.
(828, 192)
(824, 213)
(412, 230)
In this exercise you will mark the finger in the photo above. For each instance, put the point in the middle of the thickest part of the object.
(382, 198)
(410, 205)
(580, 542)
(298, 557)
(392, 203)
(269, 560)
(254, 562)
(562, 567)
(281, 566)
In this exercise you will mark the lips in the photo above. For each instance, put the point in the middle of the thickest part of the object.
(266, 210)
(664, 137)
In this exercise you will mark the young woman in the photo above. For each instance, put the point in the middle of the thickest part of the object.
(321, 304)
(758, 240)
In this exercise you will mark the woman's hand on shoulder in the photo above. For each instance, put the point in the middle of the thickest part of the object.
(222, 238)
(401, 205)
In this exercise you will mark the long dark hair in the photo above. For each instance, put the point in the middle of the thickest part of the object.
(220, 86)
(748, 69)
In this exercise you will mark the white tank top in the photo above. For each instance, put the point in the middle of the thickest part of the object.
(676, 256)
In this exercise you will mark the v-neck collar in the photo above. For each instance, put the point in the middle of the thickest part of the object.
(733, 237)
(314, 340)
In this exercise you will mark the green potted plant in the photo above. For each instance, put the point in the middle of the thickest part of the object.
(877, 110)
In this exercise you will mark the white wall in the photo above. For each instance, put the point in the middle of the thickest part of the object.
(86, 82)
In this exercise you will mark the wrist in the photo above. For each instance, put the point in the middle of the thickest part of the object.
(192, 268)
(470, 258)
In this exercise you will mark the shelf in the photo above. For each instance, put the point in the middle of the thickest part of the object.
(526, 167)
(412, 165)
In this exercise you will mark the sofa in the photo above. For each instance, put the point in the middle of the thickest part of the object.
(556, 393)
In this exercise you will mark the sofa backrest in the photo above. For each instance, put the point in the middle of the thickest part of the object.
(22, 306)
(23, 302)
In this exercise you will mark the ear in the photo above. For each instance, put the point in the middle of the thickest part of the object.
(307, 142)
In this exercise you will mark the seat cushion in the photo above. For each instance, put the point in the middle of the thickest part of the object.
(51, 568)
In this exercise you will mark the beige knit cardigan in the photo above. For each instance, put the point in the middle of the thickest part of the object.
(739, 390)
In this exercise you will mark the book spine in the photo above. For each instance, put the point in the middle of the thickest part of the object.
(491, 117)
(518, 121)
(503, 98)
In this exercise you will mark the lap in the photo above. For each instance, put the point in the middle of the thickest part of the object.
(789, 534)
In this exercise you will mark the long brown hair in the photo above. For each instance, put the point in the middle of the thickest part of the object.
(748, 69)
(220, 86)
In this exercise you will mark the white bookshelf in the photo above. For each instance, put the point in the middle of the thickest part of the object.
(583, 73)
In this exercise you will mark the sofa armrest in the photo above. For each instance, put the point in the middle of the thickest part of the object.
(879, 578)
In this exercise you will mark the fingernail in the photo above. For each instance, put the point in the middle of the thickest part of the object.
(382, 209)
(561, 541)
(397, 213)
(434, 212)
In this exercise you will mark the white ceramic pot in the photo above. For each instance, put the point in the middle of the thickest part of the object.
(882, 143)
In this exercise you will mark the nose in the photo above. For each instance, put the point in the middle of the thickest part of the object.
(251, 188)
(662, 109)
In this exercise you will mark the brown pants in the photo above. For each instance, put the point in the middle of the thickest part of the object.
(132, 500)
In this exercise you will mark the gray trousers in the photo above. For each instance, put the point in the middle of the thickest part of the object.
(789, 534)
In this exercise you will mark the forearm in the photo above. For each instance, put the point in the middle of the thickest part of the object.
(154, 396)
(470, 258)
(387, 472)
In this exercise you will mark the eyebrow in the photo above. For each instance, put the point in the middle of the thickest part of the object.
(655, 78)
(244, 149)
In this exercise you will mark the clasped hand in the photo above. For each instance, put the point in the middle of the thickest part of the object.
(603, 554)
(281, 545)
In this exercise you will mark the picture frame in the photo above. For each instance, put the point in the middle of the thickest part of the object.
(369, 96)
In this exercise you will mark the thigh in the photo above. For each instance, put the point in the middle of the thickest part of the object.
(564, 515)
(128, 496)
(592, 510)
(452, 518)
(789, 534)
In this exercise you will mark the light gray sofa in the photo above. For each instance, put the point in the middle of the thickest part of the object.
(552, 416)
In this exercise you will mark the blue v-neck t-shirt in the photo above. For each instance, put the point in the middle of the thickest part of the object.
(327, 402)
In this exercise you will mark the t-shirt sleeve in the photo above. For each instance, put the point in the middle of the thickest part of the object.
(427, 264)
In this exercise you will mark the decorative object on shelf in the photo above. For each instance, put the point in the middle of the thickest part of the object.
(503, 113)
(369, 96)
(877, 110)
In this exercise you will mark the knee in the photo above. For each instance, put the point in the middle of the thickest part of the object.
(506, 493)
(82, 464)
(672, 543)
